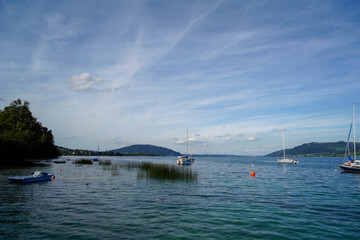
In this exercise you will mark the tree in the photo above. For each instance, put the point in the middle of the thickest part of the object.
(22, 136)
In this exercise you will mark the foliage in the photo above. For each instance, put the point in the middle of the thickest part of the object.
(22, 136)
(83, 161)
(81, 152)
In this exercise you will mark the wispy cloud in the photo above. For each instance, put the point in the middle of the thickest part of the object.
(233, 71)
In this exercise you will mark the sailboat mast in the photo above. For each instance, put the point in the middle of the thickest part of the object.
(283, 144)
(187, 141)
(354, 132)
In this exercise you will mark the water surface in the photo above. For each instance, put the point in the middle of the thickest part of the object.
(311, 200)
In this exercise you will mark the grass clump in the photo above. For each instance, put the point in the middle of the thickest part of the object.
(105, 162)
(162, 171)
(152, 170)
(83, 161)
(113, 168)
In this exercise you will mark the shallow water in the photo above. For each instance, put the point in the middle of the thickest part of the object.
(311, 200)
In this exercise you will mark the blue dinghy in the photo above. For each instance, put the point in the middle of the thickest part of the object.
(37, 176)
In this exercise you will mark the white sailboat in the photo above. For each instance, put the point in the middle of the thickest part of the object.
(351, 165)
(185, 160)
(284, 159)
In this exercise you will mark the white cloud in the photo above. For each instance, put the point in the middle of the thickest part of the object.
(252, 138)
(83, 82)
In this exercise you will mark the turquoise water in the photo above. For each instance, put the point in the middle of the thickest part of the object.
(312, 200)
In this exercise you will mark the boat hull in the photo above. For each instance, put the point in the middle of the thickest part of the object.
(287, 160)
(59, 161)
(30, 179)
(349, 168)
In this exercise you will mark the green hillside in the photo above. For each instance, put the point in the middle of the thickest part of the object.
(146, 150)
(314, 149)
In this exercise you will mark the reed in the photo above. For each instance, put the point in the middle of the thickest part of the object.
(162, 171)
(152, 170)
(83, 161)
(105, 162)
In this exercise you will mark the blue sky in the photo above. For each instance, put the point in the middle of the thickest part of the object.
(236, 73)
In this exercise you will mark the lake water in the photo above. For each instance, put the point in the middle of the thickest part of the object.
(311, 200)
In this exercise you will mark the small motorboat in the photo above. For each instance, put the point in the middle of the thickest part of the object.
(95, 159)
(37, 176)
(59, 161)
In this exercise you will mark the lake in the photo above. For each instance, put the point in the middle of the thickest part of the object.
(311, 200)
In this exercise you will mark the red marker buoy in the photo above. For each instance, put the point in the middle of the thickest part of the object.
(252, 173)
(59, 170)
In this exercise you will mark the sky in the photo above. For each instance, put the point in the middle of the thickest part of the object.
(236, 74)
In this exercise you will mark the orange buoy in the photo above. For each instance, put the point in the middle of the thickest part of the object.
(252, 173)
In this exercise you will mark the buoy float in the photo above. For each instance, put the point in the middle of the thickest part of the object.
(252, 173)
(60, 170)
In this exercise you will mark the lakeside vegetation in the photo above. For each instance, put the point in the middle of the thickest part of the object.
(22, 136)
(83, 161)
(81, 152)
(152, 170)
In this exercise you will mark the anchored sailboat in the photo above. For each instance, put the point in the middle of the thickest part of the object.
(351, 165)
(284, 159)
(186, 160)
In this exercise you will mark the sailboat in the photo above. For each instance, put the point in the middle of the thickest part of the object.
(284, 159)
(185, 160)
(97, 159)
(351, 165)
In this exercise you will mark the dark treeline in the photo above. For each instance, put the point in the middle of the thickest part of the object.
(22, 136)
(80, 152)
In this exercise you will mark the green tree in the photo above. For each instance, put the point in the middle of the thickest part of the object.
(22, 136)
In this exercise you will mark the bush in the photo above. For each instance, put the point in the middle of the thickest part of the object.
(83, 161)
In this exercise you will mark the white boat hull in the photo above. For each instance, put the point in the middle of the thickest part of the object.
(184, 162)
(287, 160)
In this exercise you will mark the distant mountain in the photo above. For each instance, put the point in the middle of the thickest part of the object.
(314, 149)
(141, 149)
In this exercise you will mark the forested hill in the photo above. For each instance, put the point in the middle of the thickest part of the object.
(146, 150)
(314, 149)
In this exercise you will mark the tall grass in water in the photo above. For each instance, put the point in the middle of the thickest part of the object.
(83, 161)
(105, 162)
(162, 171)
(107, 165)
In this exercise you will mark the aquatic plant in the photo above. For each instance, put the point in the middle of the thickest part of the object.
(153, 170)
(113, 168)
(83, 161)
(105, 162)
(161, 171)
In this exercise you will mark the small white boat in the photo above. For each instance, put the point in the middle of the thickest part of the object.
(284, 159)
